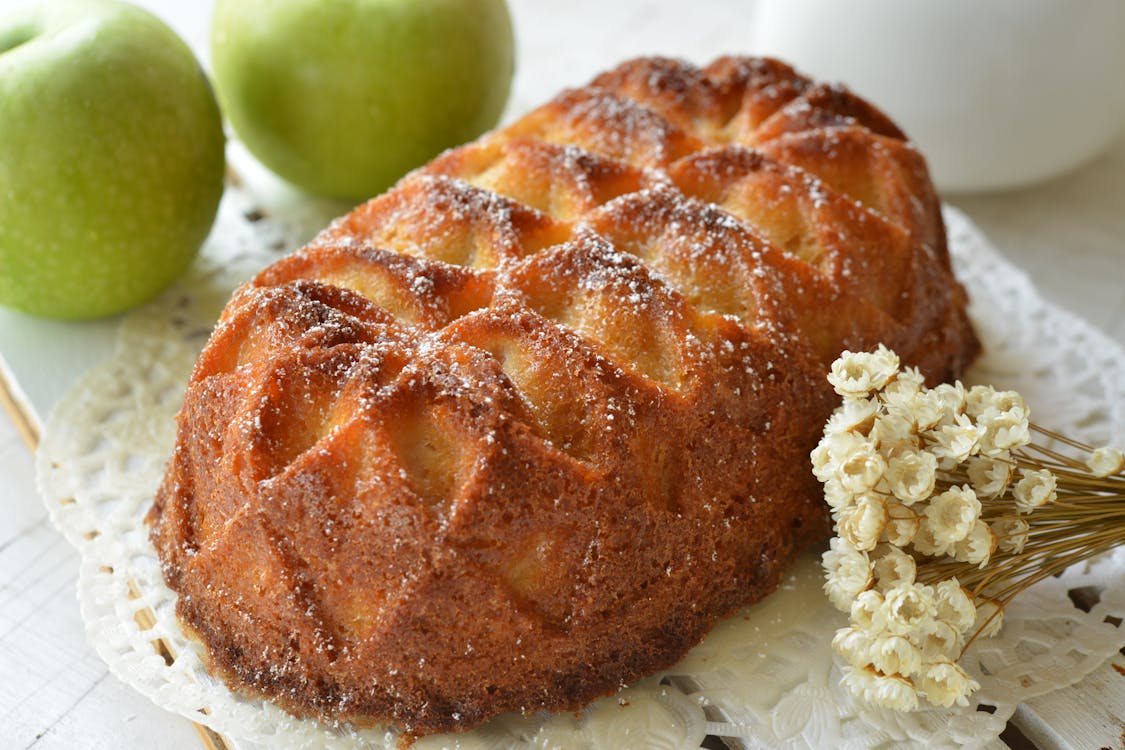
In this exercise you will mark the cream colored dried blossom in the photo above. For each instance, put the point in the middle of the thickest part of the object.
(862, 522)
(926, 410)
(981, 398)
(854, 644)
(978, 398)
(937, 639)
(911, 476)
(951, 398)
(990, 476)
(925, 543)
(893, 432)
(902, 389)
(858, 374)
(847, 573)
(893, 654)
(1003, 430)
(823, 467)
(1009, 401)
(894, 568)
(854, 415)
(955, 440)
(944, 684)
(902, 524)
(1011, 534)
(865, 609)
(836, 496)
(895, 692)
(832, 450)
(906, 608)
(954, 605)
(950, 516)
(990, 618)
(862, 468)
(947, 465)
(1035, 489)
(977, 547)
(1106, 461)
(859, 680)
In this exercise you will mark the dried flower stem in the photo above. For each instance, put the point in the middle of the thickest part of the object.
(1086, 519)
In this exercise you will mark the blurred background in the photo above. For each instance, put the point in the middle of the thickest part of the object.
(998, 94)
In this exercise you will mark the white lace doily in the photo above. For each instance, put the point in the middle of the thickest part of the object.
(763, 678)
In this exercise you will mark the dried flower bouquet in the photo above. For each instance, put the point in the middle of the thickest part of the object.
(945, 508)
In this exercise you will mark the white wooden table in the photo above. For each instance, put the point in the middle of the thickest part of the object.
(55, 692)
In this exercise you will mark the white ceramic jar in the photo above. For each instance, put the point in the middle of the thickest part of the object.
(997, 93)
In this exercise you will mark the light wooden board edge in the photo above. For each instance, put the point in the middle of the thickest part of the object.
(1084, 719)
(29, 430)
(26, 424)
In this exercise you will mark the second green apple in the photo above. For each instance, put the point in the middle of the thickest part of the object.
(342, 97)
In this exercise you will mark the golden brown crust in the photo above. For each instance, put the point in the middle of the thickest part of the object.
(521, 429)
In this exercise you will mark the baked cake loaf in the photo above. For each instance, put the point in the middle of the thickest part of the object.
(523, 428)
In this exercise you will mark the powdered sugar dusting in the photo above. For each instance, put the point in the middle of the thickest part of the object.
(472, 384)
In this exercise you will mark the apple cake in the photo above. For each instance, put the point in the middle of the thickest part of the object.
(520, 430)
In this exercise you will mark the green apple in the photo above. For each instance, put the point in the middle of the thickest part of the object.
(111, 157)
(342, 97)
